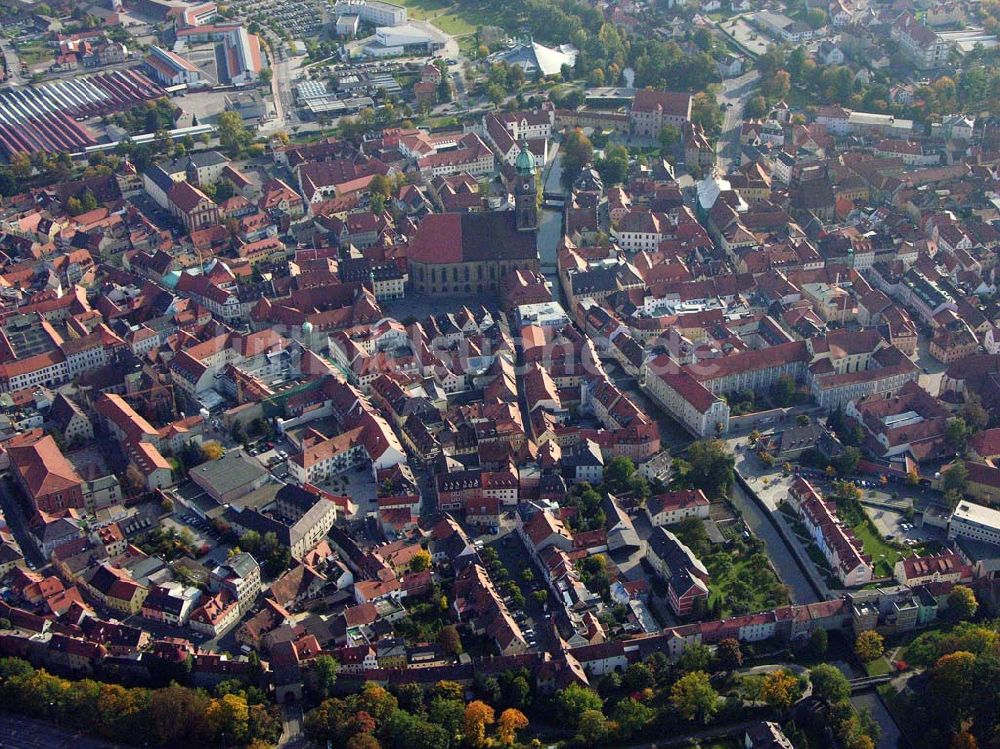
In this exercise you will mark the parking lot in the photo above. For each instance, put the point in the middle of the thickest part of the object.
(893, 523)
(205, 105)
(273, 455)
(297, 18)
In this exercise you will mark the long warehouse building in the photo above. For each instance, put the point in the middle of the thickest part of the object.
(41, 118)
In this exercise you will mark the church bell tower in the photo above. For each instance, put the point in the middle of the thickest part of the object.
(525, 192)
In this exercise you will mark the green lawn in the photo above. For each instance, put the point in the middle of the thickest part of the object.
(424, 9)
(457, 19)
(877, 548)
(878, 668)
(438, 123)
(884, 554)
(33, 53)
(454, 24)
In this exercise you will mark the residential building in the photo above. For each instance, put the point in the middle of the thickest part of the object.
(651, 110)
(686, 577)
(671, 508)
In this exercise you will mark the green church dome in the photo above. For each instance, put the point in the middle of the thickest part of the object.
(525, 163)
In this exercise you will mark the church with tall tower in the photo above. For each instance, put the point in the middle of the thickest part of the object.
(469, 253)
(525, 190)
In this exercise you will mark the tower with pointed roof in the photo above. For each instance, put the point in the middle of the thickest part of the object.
(525, 191)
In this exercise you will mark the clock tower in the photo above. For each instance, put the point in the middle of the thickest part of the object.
(525, 192)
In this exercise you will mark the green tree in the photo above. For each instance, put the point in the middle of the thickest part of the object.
(495, 94)
(693, 697)
(515, 690)
(816, 18)
(829, 683)
(632, 717)
(617, 472)
(847, 461)
(755, 108)
(325, 668)
(224, 190)
(233, 135)
(706, 112)
(818, 642)
(711, 467)
(446, 713)
(957, 433)
(637, 677)
(962, 603)
(952, 497)
(405, 731)
(973, 413)
(380, 185)
(695, 658)
(573, 701)
(956, 478)
(592, 728)
(613, 168)
(669, 138)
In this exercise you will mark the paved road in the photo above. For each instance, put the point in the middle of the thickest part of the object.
(13, 63)
(291, 727)
(735, 92)
(932, 371)
(12, 510)
(24, 733)
(281, 84)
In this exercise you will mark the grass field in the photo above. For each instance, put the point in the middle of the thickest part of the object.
(423, 10)
(885, 555)
(457, 19)
(33, 53)
(878, 667)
